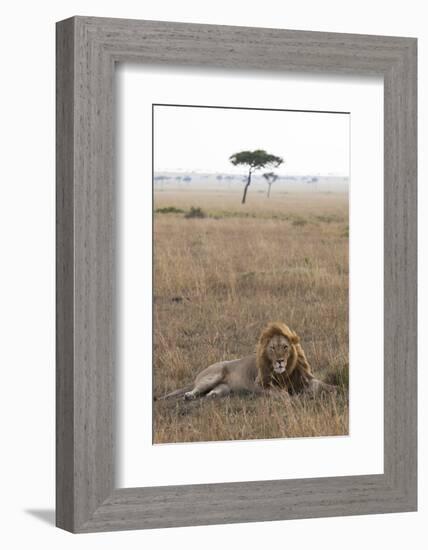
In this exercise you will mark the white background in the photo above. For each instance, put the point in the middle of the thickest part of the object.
(139, 87)
(201, 139)
(27, 272)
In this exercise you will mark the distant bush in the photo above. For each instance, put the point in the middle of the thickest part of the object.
(328, 218)
(299, 221)
(169, 210)
(195, 213)
(233, 214)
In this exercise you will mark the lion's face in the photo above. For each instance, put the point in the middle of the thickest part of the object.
(278, 351)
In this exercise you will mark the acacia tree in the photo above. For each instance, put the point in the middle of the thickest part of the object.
(270, 177)
(255, 160)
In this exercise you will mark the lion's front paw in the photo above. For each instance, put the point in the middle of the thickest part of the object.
(189, 395)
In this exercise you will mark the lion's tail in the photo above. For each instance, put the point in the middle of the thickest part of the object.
(176, 393)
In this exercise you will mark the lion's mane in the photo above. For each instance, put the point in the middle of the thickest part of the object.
(298, 372)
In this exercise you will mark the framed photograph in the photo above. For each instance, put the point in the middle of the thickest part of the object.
(258, 239)
(236, 274)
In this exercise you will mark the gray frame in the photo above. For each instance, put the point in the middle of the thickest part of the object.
(87, 50)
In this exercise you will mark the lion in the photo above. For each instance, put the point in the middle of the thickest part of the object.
(282, 363)
(279, 362)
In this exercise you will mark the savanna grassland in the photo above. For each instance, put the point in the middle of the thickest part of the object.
(220, 278)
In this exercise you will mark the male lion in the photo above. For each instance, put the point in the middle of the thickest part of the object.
(279, 362)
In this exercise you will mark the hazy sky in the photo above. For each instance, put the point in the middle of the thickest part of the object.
(202, 138)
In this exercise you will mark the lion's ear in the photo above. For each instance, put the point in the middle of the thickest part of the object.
(294, 338)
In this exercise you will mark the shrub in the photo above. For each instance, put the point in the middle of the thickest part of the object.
(169, 210)
(195, 213)
(328, 218)
(299, 221)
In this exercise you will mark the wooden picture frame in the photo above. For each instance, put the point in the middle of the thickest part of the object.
(87, 50)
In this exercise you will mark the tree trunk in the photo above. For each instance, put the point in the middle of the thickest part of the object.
(269, 185)
(247, 185)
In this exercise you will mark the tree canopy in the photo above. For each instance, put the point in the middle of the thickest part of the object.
(255, 160)
(270, 177)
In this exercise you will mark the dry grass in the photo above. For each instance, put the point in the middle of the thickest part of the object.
(221, 278)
